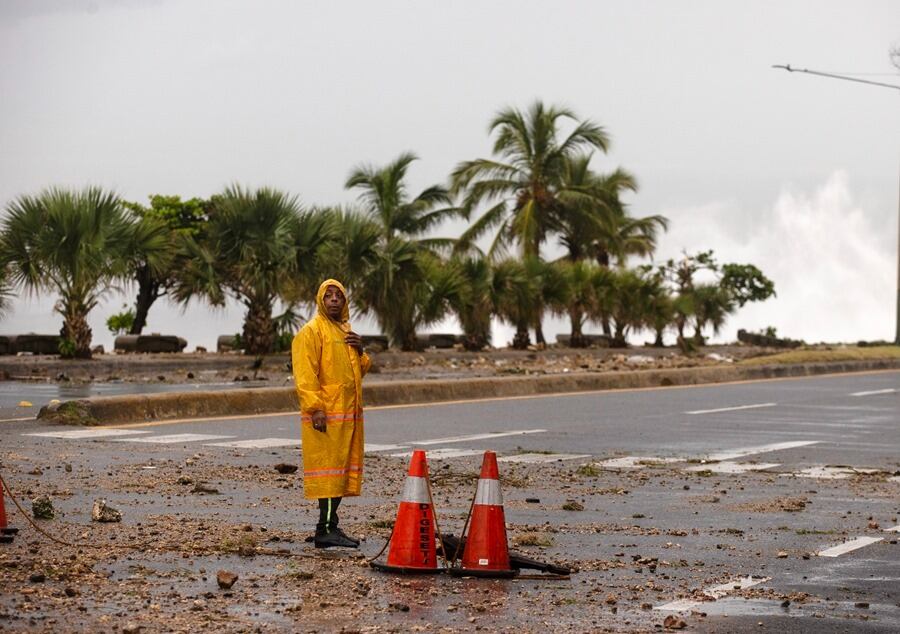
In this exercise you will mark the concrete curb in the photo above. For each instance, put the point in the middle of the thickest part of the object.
(114, 410)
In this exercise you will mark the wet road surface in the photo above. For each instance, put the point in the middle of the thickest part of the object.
(778, 499)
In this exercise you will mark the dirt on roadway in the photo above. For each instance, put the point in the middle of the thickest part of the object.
(637, 538)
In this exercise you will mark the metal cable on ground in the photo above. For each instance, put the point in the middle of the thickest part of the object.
(383, 548)
(55, 539)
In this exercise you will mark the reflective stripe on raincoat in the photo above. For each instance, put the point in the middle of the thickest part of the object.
(328, 376)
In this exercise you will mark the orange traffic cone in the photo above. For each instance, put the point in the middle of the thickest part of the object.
(6, 533)
(486, 552)
(412, 548)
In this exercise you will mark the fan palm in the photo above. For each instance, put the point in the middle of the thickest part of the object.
(76, 244)
(257, 248)
(524, 185)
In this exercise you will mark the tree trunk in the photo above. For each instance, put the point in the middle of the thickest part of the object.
(77, 331)
(148, 292)
(539, 333)
(259, 328)
(658, 343)
(577, 338)
(521, 341)
(409, 342)
(474, 341)
(618, 340)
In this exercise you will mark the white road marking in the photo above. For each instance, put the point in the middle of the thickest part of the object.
(171, 439)
(449, 439)
(635, 462)
(889, 390)
(894, 479)
(80, 434)
(257, 443)
(373, 448)
(442, 453)
(542, 457)
(715, 592)
(822, 472)
(847, 547)
(893, 529)
(731, 409)
(749, 451)
(733, 467)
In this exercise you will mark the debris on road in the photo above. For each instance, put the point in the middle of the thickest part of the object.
(102, 512)
(226, 579)
(42, 508)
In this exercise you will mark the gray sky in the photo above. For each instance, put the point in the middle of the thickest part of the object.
(794, 173)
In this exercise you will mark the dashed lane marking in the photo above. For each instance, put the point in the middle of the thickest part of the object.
(171, 439)
(749, 451)
(715, 592)
(889, 390)
(531, 458)
(257, 443)
(893, 529)
(635, 462)
(80, 434)
(443, 453)
(734, 467)
(731, 409)
(497, 434)
(848, 547)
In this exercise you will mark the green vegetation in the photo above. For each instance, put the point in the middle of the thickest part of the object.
(820, 355)
(120, 323)
(265, 250)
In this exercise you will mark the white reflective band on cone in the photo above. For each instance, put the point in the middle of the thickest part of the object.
(415, 490)
(489, 493)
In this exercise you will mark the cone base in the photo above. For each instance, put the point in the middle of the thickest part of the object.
(483, 574)
(6, 539)
(406, 570)
(9, 530)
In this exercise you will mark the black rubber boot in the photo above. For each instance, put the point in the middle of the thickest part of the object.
(333, 539)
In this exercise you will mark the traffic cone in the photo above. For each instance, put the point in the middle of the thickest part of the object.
(486, 552)
(412, 547)
(6, 533)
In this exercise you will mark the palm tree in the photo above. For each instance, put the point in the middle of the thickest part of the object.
(514, 295)
(395, 284)
(525, 184)
(257, 249)
(580, 299)
(77, 244)
(477, 287)
(596, 224)
(384, 198)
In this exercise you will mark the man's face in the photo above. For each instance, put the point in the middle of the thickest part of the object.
(334, 301)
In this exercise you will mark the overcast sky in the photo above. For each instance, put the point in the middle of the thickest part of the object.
(794, 173)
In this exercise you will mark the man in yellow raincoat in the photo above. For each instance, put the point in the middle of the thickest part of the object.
(329, 364)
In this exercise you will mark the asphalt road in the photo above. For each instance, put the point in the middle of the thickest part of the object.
(833, 441)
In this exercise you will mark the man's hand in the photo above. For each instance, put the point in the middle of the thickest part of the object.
(354, 341)
(318, 420)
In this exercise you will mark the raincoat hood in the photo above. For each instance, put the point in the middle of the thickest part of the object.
(320, 302)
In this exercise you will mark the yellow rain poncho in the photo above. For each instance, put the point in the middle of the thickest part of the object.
(328, 374)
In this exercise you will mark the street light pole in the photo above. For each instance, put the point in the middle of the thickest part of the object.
(788, 68)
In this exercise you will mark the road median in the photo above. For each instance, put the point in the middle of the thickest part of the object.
(114, 410)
